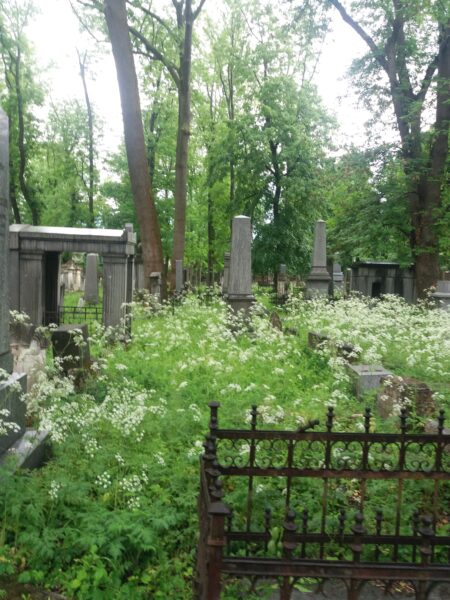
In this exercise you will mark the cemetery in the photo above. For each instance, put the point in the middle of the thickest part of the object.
(225, 326)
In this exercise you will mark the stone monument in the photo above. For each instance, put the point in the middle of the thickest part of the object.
(178, 276)
(442, 294)
(15, 438)
(91, 279)
(318, 281)
(338, 278)
(240, 295)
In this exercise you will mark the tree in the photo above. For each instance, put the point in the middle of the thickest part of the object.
(180, 34)
(409, 45)
(116, 20)
(22, 93)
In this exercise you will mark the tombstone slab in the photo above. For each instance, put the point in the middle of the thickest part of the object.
(66, 346)
(226, 272)
(367, 377)
(319, 279)
(399, 392)
(240, 296)
(178, 276)
(91, 279)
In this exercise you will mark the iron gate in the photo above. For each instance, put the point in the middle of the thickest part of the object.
(358, 507)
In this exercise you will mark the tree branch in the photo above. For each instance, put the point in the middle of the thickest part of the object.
(156, 54)
(198, 9)
(377, 52)
(156, 17)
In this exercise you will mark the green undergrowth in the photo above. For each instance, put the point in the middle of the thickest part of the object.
(113, 513)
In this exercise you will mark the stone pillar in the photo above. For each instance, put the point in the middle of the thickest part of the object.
(178, 276)
(114, 288)
(442, 294)
(226, 272)
(240, 294)
(91, 279)
(338, 278)
(156, 285)
(281, 283)
(5, 355)
(319, 278)
(31, 285)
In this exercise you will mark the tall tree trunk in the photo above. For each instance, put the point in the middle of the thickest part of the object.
(116, 20)
(182, 150)
(82, 64)
(427, 264)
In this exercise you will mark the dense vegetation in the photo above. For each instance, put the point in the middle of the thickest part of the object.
(113, 514)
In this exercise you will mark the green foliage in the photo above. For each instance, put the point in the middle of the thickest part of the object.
(113, 513)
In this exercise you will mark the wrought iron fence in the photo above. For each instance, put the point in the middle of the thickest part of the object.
(73, 315)
(358, 507)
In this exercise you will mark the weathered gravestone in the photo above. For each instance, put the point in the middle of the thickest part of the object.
(442, 294)
(240, 295)
(319, 279)
(367, 377)
(178, 276)
(15, 439)
(405, 392)
(156, 285)
(71, 346)
(91, 279)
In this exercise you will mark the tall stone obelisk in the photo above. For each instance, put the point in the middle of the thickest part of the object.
(240, 295)
(318, 281)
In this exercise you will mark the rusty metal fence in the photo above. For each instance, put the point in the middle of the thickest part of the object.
(74, 315)
(358, 507)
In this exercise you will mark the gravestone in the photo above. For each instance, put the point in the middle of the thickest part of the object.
(282, 284)
(15, 439)
(319, 279)
(178, 276)
(226, 272)
(442, 294)
(240, 295)
(367, 377)
(408, 392)
(70, 345)
(338, 278)
(91, 279)
(155, 285)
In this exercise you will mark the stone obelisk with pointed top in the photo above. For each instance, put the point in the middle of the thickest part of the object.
(318, 281)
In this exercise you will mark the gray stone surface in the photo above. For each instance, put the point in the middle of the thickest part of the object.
(156, 285)
(442, 294)
(91, 279)
(5, 356)
(178, 276)
(407, 392)
(318, 280)
(11, 391)
(66, 347)
(338, 278)
(367, 377)
(226, 272)
(29, 451)
(30, 250)
(240, 294)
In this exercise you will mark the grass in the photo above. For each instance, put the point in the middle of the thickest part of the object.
(113, 514)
